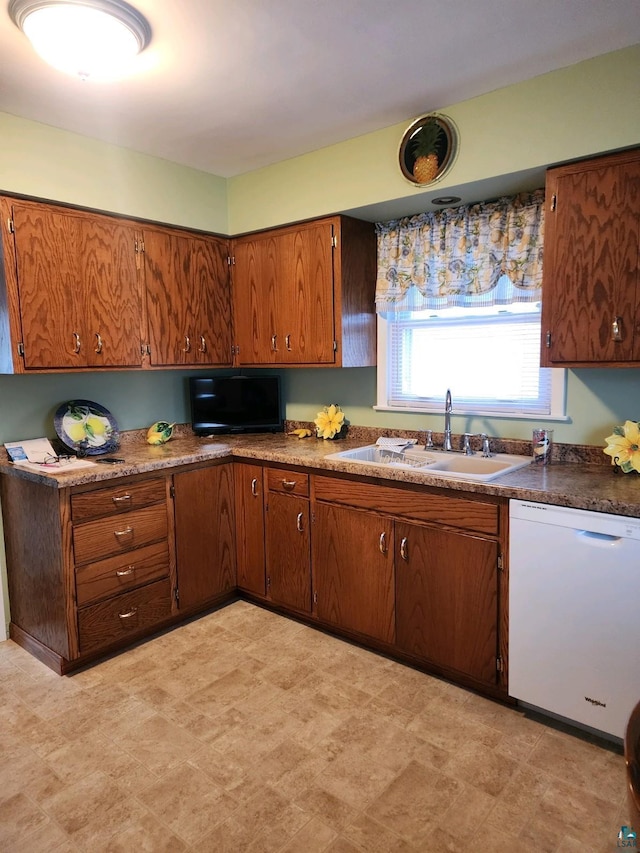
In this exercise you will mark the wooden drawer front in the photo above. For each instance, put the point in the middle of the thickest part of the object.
(116, 535)
(117, 499)
(467, 514)
(121, 573)
(124, 616)
(290, 482)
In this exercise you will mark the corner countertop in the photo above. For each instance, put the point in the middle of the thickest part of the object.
(574, 484)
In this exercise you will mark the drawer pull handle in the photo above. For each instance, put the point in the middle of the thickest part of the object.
(77, 344)
(254, 487)
(129, 614)
(122, 573)
(289, 485)
(119, 499)
(187, 344)
(128, 531)
(299, 526)
(383, 543)
(203, 344)
(404, 550)
(274, 343)
(98, 348)
(287, 342)
(616, 329)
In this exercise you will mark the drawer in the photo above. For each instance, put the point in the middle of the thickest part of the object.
(290, 482)
(416, 504)
(122, 617)
(114, 499)
(121, 573)
(119, 534)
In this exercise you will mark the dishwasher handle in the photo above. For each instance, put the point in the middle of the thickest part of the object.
(605, 538)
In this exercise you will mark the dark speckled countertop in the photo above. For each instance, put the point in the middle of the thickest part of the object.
(583, 485)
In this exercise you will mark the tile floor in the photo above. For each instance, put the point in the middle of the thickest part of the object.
(245, 731)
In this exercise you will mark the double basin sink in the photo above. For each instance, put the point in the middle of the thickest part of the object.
(436, 462)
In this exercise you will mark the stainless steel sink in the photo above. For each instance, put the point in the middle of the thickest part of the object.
(449, 464)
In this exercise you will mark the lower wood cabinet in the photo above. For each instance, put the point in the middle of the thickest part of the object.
(447, 599)
(250, 544)
(353, 572)
(288, 557)
(205, 535)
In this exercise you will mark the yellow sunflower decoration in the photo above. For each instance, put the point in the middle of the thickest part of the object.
(623, 446)
(329, 421)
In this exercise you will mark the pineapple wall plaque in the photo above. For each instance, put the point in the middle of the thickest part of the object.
(428, 149)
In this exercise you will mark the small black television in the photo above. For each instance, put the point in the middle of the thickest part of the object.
(225, 404)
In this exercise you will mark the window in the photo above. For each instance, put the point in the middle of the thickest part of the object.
(488, 356)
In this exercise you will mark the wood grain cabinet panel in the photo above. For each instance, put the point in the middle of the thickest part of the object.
(188, 298)
(447, 599)
(106, 578)
(119, 534)
(353, 573)
(591, 278)
(288, 551)
(124, 617)
(205, 535)
(249, 531)
(304, 294)
(117, 499)
(77, 300)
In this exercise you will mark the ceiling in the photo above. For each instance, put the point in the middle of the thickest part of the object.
(228, 87)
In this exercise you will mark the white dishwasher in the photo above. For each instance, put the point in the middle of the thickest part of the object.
(574, 613)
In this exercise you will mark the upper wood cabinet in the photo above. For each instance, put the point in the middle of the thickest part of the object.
(304, 294)
(187, 298)
(591, 289)
(73, 294)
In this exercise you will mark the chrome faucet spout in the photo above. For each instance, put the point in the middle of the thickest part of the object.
(447, 421)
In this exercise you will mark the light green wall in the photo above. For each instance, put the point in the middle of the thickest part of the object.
(567, 114)
(42, 161)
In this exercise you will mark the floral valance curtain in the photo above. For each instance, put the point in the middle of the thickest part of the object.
(481, 254)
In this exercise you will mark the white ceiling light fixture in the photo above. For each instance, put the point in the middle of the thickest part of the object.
(95, 39)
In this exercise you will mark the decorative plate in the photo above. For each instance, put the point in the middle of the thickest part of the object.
(86, 427)
(439, 137)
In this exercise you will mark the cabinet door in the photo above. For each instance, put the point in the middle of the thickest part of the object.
(288, 557)
(447, 599)
(188, 299)
(113, 299)
(305, 296)
(51, 283)
(255, 279)
(250, 549)
(591, 264)
(353, 570)
(205, 549)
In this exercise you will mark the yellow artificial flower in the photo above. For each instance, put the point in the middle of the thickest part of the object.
(623, 446)
(329, 421)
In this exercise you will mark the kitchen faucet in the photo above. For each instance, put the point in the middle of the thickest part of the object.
(447, 421)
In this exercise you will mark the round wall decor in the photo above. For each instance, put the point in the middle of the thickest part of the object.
(428, 149)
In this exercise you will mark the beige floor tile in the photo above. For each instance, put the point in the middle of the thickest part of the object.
(373, 837)
(355, 779)
(158, 743)
(188, 802)
(330, 808)
(47, 838)
(19, 818)
(146, 835)
(314, 837)
(482, 767)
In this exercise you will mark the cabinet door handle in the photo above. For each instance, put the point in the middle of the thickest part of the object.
(126, 532)
(274, 343)
(616, 329)
(382, 545)
(289, 485)
(287, 342)
(119, 499)
(123, 573)
(203, 344)
(187, 344)
(77, 343)
(254, 487)
(129, 613)
(299, 526)
(404, 548)
(98, 343)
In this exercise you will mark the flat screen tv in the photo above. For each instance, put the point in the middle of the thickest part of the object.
(225, 404)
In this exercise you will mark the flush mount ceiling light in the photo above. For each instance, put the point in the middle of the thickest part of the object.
(95, 39)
